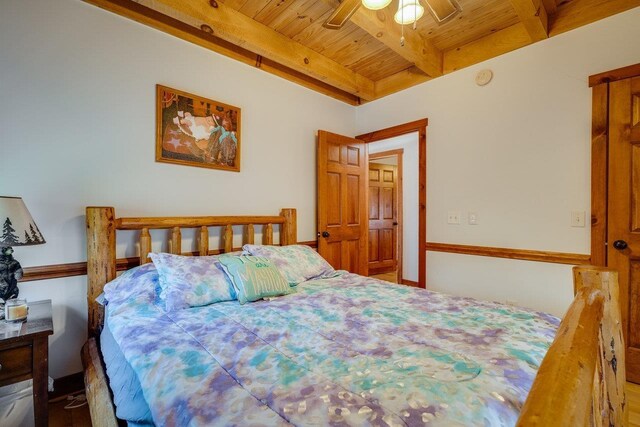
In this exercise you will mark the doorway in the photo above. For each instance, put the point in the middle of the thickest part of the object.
(385, 214)
(615, 194)
(414, 194)
(343, 190)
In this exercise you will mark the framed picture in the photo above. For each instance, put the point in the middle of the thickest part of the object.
(196, 131)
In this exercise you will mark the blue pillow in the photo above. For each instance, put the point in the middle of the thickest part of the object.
(254, 277)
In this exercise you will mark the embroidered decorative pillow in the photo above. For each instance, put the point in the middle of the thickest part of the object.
(297, 263)
(191, 281)
(254, 277)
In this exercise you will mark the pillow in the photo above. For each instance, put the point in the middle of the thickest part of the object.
(254, 277)
(297, 263)
(191, 281)
(140, 283)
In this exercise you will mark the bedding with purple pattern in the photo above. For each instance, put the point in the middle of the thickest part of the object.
(348, 350)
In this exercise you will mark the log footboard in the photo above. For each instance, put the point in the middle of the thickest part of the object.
(97, 387)
(581, 381)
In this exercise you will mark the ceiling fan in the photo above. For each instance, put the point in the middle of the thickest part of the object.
(409, 11)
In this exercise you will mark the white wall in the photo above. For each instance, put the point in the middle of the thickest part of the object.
(409, 143)
(517, 152)
(77, 126)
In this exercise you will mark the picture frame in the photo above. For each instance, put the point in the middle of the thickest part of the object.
(192, 130)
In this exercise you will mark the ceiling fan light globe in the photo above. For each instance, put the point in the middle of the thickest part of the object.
(409, 11)
(376, 4)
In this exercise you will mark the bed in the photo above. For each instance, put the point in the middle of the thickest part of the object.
(347, 350)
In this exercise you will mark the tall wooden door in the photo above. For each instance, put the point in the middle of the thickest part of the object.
(383, 218)
(342, 201)
(623, 249)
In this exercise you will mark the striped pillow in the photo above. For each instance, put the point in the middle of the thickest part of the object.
(254, 277)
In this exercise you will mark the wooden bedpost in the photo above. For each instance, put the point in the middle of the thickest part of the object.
(289, 231)
(610, 397)
(101, 260)
(581, 380)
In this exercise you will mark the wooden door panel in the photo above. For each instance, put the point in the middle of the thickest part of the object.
(350, 255)
(388, 205)
(387, 243)
(634, 304)
(333, 200)
(353, 199)
(334, 153)
(635, 188)
(624, 210)
(342, 198)
(373, 246)
(333, 254)
(374, 203)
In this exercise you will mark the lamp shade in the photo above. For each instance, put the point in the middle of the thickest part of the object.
(17, 228)
(375, 4)
(409, 11)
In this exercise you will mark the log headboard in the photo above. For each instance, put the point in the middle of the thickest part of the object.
(101, 243)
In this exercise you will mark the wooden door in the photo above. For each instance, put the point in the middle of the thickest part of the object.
(383, 218)
(623, 247)
(342, 201)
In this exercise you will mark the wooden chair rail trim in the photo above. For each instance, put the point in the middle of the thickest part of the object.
(521, 254)
(194, 221)
(615, 75)
(56, 271)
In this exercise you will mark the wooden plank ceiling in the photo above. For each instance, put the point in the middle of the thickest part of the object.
(364, 60)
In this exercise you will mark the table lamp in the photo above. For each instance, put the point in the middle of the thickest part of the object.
(18, 229)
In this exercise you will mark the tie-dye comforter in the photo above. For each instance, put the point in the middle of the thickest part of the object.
(343, 351)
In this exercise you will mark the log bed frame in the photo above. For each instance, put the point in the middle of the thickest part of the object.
(581, 380)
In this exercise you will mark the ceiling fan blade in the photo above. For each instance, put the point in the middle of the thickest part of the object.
(443, 10)
(342, 14)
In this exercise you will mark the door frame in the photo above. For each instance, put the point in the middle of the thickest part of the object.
(419, 126)
(398, 153)
(600, 157)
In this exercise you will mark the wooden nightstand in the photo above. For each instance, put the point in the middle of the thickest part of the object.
(24, 354)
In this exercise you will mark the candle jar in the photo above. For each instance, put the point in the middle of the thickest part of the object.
(15, 310)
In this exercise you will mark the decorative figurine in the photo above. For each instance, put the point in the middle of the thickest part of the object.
(10, 273)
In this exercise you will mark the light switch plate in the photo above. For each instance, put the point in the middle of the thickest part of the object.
(453, 217)
(473, 218)
(578, 218)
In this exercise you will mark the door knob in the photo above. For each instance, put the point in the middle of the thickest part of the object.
(620, 244)
(325, 234)
(395, 223)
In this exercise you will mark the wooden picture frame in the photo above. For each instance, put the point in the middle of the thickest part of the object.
(195, 131)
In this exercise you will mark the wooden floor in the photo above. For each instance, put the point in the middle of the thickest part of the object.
(60, 417)
(633, 399)
(389, 277)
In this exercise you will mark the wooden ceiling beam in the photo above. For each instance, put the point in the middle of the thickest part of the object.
(139, 13)
(400, 81)
(533, 15)
(498, 43)
(577, 13)
(237, 28)
(551, 6)
(487, 47)
(417, 50)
